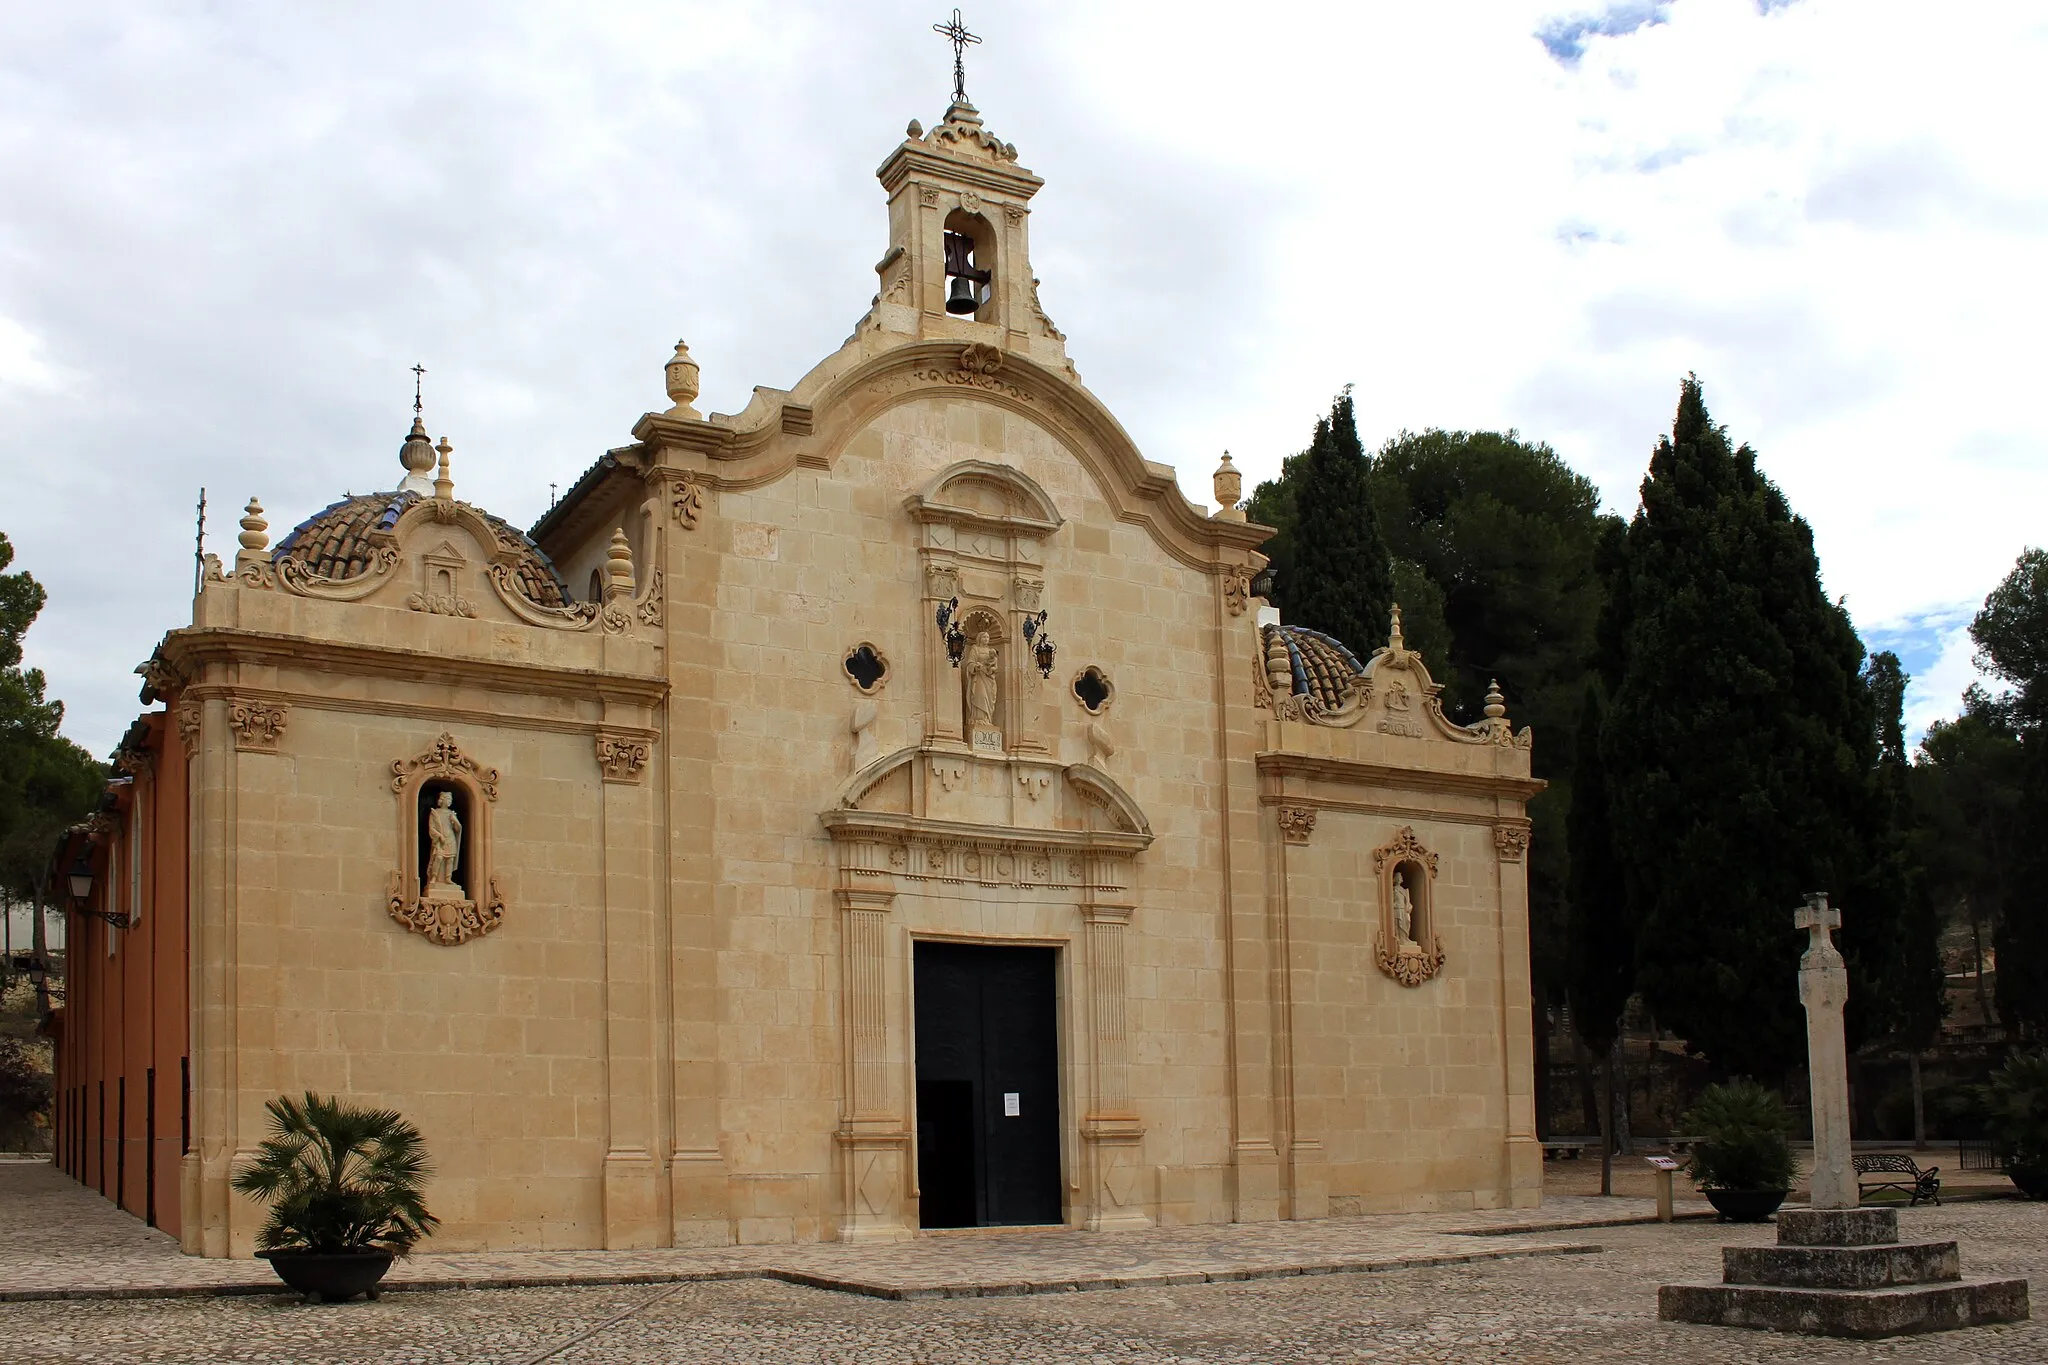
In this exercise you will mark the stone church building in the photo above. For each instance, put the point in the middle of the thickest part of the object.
(886, 807)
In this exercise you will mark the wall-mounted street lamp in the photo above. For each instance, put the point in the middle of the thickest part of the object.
(81, 892)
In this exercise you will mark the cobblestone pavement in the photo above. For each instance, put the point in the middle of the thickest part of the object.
(60, 1240)
(1587, 1309)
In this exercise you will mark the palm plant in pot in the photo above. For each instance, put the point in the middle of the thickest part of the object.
(345, 1185)
(2015, 1103)
(1744, 1158)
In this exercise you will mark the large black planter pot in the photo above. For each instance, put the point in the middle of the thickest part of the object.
(330, 1277)
(1745, 1206)
(2032, 1180)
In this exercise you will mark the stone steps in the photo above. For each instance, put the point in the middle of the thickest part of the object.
(1844, 1273)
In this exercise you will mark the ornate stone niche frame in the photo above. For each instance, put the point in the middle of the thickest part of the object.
(445, 921)
(1418, 956)
(983, 529)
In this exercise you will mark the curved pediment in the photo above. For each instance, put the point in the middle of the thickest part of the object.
(980, 492)
(932, 793)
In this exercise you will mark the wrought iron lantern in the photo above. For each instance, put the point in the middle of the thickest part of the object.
(1043, 650)
(950, 631)
(81, 879)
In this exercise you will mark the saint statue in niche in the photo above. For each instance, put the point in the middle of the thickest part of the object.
(981, 665)
(444, 849)
(1404, 910)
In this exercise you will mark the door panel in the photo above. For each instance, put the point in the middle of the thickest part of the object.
(988, 1122)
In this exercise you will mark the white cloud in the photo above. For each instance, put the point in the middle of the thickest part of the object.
(237, 225)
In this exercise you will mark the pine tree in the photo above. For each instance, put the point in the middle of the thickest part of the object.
(1341, 580)
(1740, 753)
(1600, 939)
(2012, 641)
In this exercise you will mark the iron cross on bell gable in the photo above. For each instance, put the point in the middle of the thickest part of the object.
(957, 33)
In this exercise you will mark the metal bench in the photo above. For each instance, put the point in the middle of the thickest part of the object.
(1889, 1171)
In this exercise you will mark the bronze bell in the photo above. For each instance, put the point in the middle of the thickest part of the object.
(962, 298)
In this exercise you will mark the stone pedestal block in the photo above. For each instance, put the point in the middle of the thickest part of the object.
(1838, 1227)
(1865, 1313)
(1859, 1267)
(1844, 1273)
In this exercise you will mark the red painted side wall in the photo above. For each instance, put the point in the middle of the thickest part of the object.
(122, 1034)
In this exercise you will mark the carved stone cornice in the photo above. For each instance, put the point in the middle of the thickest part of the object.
(1360, 772)
(846, 392)
(258, 725)
(621, 756)
(194, 648)
(1297, 823)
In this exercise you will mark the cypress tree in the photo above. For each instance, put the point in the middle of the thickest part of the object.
(1341, 580)
(1739, 750)
(1599, 937)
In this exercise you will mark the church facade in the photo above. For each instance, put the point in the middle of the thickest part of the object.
(883, 808)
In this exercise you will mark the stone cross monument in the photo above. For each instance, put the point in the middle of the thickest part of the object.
(1824, 989)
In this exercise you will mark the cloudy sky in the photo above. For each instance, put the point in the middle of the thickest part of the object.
(228, 229)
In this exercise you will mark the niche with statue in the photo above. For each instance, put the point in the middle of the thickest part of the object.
(1407, 946)
(443, 889)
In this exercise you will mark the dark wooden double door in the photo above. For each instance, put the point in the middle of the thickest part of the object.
(988, 1117)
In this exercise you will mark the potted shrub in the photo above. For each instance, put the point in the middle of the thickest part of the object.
(2015, 1103)
(1743, 1160)
(344, 1185)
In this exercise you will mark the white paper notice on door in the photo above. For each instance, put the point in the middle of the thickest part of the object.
(1012, 1104)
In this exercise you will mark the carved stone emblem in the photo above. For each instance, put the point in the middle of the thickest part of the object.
(1511, 842)
(1404, 847)
(444, 759)
(1410, 964)
(188, 726)
(257, 725)
(981, 358)
(1297, 823)
(445, 920)
(686, 500)
(1237, 590)
(621, 756)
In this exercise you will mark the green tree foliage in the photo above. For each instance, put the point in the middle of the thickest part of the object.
(1509, 536)
(1966, 787)
(1740, 751)
(2012, 644)
(46, 782)
(1602, 970)
(1911, 961)
(1331, 571)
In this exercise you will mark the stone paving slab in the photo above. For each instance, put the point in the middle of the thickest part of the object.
(59, 1240)
(1545, 1310)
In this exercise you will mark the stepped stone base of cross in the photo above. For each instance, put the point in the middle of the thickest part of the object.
(1839, 1270)
(1844, 1273)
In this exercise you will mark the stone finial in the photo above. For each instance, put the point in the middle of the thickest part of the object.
(444, 483)
(254, 538)
(682, 375)
(1496, 704)
(618, 567)
(915, 132)
(1279, 667)
(1229, 486)
(1395, 644)
(417, 455)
